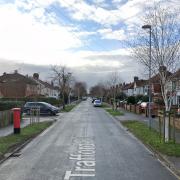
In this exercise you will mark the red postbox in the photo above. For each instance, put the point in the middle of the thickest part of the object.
(17, 120)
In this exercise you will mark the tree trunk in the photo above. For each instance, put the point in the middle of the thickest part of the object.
(63, 100)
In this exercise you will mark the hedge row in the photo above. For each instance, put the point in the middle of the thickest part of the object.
(6, 105)
(52, 101)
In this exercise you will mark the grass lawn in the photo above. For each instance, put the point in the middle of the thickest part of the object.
(151, 138)
(10, 142)
(105, 105)
(68, 108)
(114, 112)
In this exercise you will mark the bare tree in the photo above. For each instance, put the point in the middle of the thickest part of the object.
(165, 49)
(98, 90)
(112, 83)
(62, 77)
(80, 89)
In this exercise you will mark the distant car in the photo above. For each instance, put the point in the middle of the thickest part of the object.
(97, 103)
(84, 98)
(45, 108)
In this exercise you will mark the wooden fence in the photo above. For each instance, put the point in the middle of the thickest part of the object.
(6, 118)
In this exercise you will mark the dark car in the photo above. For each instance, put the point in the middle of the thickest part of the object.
(45, 108)
(93, 99)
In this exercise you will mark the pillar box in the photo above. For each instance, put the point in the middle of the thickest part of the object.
(17, 120)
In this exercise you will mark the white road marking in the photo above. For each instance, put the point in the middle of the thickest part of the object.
(85, 161)
(68, 175)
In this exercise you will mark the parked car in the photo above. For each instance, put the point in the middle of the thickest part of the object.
(45, 108)
(97, 103)
(153, 106)
(145, 105)
(93, 99)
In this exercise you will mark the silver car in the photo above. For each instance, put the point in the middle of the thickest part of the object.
(97, 103)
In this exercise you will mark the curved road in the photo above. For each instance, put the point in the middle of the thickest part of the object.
(84, 144)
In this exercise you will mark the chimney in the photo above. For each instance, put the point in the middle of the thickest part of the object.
(162, 69)
(52, 83)
(16, 71)
(36, 76)
(136, 78)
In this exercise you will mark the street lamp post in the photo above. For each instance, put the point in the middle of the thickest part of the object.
(149, 106)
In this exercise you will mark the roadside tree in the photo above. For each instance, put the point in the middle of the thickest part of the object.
(63, 78)
(113, 80)
(80, 89)
(165, 51)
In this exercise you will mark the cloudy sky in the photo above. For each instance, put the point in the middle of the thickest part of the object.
(86, 35)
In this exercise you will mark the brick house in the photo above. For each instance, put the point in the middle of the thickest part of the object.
(156, 85)
(176, 87)
(128, 89)
(44, 88)
(140, 86)
(16, 85)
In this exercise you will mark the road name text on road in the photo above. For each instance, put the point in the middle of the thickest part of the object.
(85, 161)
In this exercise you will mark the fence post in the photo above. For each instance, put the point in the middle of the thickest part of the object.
(169, 116)
(164, 126)
(174, 128)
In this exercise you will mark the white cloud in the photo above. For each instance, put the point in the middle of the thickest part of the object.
(23, 37)
(110, 34)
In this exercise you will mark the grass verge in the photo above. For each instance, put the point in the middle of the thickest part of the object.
(114, 112)
(68, 108)
(10, 142)
(151, 138)
(105, 105)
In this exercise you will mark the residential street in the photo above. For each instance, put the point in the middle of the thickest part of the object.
(84, 144)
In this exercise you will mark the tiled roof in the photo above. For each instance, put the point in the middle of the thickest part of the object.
(16, 77)
(128, 86)
(46, 84)
(155, 78)
(141, 83)
(176, 75)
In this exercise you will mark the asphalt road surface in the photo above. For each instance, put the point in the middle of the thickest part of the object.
(85, 144)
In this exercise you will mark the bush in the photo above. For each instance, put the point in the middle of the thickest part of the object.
(6, 105)
(121, 96)
(145, 98)
(159, 102)
(50, 100)
(139, 98)
(131, 100)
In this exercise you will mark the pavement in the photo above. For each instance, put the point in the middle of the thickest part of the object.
(25, 122)
(5, 131)
(85, 144)
(128, 116)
